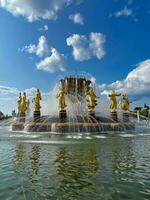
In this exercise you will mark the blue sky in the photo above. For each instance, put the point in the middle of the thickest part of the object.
(107, 39)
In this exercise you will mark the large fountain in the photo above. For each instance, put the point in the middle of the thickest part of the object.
(76, 110)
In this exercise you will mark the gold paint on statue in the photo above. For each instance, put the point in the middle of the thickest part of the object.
(113, 101)
(28, 107)
(37, 98)
(61, 98)
(19, 103)
(23, 105)
(124, 103)
(92, 99)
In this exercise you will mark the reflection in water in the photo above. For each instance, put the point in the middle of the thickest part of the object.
(123, 159)
(99, 170)
(19, 158)
(33, 171)
(75, 172)
(34, 162)
(27, 187)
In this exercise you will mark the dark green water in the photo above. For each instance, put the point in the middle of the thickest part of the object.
(74, 167)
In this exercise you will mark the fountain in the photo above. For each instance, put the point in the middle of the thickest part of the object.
(77, 102)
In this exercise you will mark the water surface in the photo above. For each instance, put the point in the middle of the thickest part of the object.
(74, 166)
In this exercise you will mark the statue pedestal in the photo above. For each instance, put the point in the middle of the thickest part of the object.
(114, 116)
(21, 117)
(36, 116)
(91, 113)
(125, 117)
(62, 115)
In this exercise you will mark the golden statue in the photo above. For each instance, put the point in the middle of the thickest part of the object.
(28, 107)
(23, 105)
(61, 98)
(124, 103)
(113, 101)
(19, 103)
(36, 101)
(92, 99)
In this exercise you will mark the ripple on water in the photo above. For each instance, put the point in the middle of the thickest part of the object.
(127, 135)
(47, 142)
(144, 134)
(100, 136)
(74, 137)
(23, 136)
(114, 168)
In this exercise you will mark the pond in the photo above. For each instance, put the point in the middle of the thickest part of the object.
(74, 166)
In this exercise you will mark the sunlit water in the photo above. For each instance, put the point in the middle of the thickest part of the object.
(74, 166)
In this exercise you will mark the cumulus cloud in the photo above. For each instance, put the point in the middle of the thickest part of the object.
(77, 18)
(55, 62)
(34, 10)
(85, 48)
(124, 12)
(40, 49)
(44, 28)
(136, 84)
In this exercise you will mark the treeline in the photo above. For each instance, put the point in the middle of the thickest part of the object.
(2, 116)
(144, 111)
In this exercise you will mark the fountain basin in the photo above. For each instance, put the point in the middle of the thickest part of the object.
(66, 127)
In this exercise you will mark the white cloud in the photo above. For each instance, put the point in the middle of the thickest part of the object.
(136, 84)
(77, 18)
(30, 91)
(55, 62)
(44, 28)
(40, 49)
(4, 90)
(124, 12)
(85, 48)
(34, 10)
